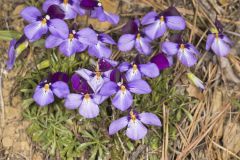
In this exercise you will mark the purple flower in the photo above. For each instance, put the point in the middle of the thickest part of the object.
(134, 37)
(40, 24)
(100, 75)
(122, 89)
(186, 52)
(161, 60)
(97, 11)
(68, 45)
(138, 69)
(218, 42)
(157, 24)
(135, 124)
(70, 7)
(85, 100)
(100, 49)
(45, 90)
(16, 47)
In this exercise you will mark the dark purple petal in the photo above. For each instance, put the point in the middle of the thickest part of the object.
(89, 4)
(210, 39)
(59, 76)
(54, 11)
(170, 48)
(149, 18)
(116, 76)
(136, 130)
(109, 88)
(60, 89)
(218, 25)
(11, 55)
(53, 41)
(149, 118)
(73, 101)
(30, 14)
(80, 85)
(106, 64)
(117, 125)
(59, 28)
(122, 100)
(161, 61)
(43, 97)
(48, 3)
(175, 23)
(139, 87)
(171, 11)
(131, 27)
(149, 70)
(88, 108)
(35, 30)
(126, 42)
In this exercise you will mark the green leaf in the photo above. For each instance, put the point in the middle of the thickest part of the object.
(43, 65)
(9, 35)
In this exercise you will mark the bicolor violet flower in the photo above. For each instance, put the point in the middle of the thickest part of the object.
(97, 11)
(122, 90)
(40, 24)
(195, 80)
(138, 69)
(45, 90)
(186, 52)
(100, 49)
(134, 37)
(69, 44)
(157, 24)
(100, 75)
(86, 101)
(218, 42)
(70, 7)
(16, 47)
(162, 61)
(135, 124)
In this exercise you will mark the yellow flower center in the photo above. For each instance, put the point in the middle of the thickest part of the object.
(135, 68)
(44, 21)
(87, 96)
(182, 46)
(98, 74)
(65, 2)
(133, 116)
(162, 19)
(71, 36)
(138, 36)
(217, 35)
(46, 87)
(123, 88)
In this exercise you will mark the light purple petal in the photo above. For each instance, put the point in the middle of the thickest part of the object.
(96, 83)
(108, 88)
(11, 55)
(149, 70)
(139, 87)
(73, 101)
(227, 40)
(126, 42)
(122, 100)
(48, 3)
(70, 47)
(85, 74)
(210, 39)
(88, 108)
(170, 48)
(98, 99)
(220, 48)
(175, 22)
(143, 46)
(123, 67)
(30, 14)
(186, 57)
(42, 97)
(60, 89)
(117, 125)
(107, 39)
(100, 50)
(53, 41)
(70, 13)
(59, 28)
(149, 18)
(35, 30)
(87, 36)
(155, 30)
(103, 16)
(136, 130)
(149, 118)
(133, 74)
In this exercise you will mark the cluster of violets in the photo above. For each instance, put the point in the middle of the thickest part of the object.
(86, 89)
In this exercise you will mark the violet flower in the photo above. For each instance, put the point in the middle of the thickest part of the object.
(86, 100)
(157, 24)
(186, 52)
(45, 90)
(162, 61)
(70, 7)
(69, 44)
(40, 24)
(97, 11)
(122, 90)
(16, 47)
(135, 124)
(100, 75)
(138, 69)
(218, 42)
(134, 37)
